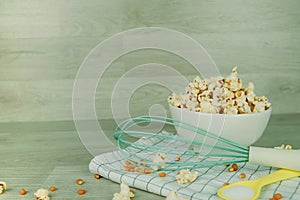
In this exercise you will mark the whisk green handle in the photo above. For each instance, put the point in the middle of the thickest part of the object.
(287, 159)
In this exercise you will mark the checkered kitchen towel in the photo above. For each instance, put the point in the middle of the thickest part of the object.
(205, 187)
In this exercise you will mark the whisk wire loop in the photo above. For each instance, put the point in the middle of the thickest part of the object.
(142, 144)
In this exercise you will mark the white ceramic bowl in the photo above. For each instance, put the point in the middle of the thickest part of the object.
(244, 129)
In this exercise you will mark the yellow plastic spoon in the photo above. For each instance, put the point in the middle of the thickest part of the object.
(250, 190)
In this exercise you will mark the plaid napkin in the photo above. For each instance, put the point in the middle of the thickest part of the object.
(205, 187)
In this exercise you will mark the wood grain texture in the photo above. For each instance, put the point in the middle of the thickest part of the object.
(42, 44)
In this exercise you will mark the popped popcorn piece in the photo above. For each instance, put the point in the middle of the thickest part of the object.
(176, 100)
(199, 83)
(185, 176)
(192, 90)
(206, 106)
(240, 97)
(233, 82)
(196, 81)
(280, 147)
(220, 95)
(2, 187)
(158, 158)
(41, 194)
(250, 96)
(192, 105)
(226, 93)
(258, 106)
(124, 194)
(245, 108)
(231, 110)
(286, 147)
(174, 196)
(250, 87)
(265, 101)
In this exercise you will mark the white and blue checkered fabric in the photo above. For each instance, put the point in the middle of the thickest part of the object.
(205, 187)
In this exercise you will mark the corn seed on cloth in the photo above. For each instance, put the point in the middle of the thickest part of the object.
(205, 187)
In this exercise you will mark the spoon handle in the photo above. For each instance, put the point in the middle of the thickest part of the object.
(287, 159)
(279, 175)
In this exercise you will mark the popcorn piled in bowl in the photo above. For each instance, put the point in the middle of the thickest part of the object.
(220, 95)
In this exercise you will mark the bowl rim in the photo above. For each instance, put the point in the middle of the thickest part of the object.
(269, 110)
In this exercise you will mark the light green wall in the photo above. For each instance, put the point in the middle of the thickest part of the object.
(42, 44)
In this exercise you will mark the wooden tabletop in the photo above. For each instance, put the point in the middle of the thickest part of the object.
(40, 154)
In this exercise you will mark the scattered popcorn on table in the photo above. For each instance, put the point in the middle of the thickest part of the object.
(41, 194)
(2, 187)
(158, 158)
(220, 95)
(124, 194)
(286, 147)
(174, 196)
(185, 176)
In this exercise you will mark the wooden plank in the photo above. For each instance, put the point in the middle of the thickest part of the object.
(52, 100)
(42, 44)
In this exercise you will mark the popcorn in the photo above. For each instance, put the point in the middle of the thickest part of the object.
(2, 187)
(250, 95)
(192, 105)
(192, 90)
(286, 147)
(41, 194)
(202, 85)
(206, 106)
(174, 196)
(233, 82)
(227, 93)
(158, 158)
(231, 110)
(245, 108)
(258, 106)
(185, 176)
(250, 87)
(176, 100)
(240, 97)
(220, 95)
(124, 194)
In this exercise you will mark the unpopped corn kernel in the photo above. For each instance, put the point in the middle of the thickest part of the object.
(242, 175)
(22, 191)
(230, 169)
(225, 184)
(235, 166)
(288, 147)
(277, 196)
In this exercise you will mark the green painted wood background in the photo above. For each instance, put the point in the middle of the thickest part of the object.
(43, 43)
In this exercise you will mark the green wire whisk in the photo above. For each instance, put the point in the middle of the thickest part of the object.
(137, 142)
